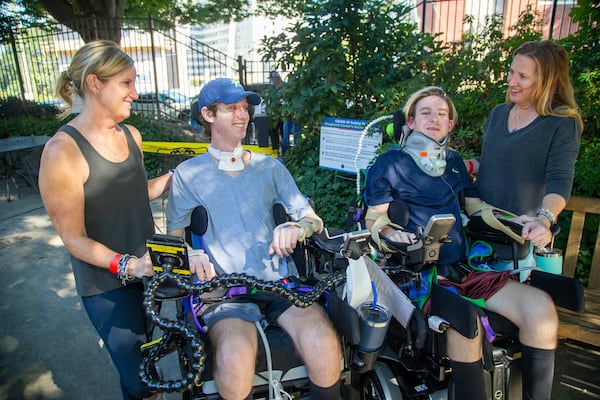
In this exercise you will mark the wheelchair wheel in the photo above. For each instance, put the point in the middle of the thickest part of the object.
(380, 384)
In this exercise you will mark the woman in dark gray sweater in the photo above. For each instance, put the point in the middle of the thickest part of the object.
(527, 165)
(531, 142)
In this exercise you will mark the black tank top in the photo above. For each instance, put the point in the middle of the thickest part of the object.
(117, 210)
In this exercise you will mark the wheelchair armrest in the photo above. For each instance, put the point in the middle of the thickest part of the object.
(504, 246)
(480, 225)
(324, 242)
(410, 256)
(460, 313)
(565, 291)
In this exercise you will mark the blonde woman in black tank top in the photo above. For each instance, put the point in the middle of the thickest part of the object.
(96, 192)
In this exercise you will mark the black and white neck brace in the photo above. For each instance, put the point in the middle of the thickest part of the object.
(429, 155)
(228, 161)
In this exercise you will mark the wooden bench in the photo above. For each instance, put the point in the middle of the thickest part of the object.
(583, 327)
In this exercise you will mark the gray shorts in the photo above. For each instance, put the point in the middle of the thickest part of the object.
(250, 308)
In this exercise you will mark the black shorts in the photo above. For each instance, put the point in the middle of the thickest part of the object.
(251, 308)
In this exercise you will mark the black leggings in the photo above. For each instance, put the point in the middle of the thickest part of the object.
(119, 318)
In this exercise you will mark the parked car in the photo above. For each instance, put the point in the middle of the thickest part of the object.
(168, 104)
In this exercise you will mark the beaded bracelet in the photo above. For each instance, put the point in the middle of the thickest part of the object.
(122, 269)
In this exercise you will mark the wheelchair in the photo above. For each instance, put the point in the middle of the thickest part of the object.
(413, 362)
(280, 372)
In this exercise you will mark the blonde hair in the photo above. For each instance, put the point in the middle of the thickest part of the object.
(553, 94)
(102, 58)
(411, 104)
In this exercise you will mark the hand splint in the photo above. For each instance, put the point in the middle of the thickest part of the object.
(381, 221)
(498, 219)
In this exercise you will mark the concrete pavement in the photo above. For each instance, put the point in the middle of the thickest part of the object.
(49, 349)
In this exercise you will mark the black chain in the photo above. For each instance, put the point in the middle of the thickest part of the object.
(177, 331)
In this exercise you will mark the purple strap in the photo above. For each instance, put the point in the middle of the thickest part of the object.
(489, 332)
(236, 291)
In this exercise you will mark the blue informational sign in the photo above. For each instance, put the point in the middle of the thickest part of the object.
(340, 140)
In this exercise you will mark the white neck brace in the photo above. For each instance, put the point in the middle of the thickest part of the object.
(228, 161)
(429, 155)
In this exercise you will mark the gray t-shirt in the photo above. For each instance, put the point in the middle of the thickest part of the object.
(240, 212)
(519, 168)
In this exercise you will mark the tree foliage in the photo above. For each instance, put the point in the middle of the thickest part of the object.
(584, 50)
(108, 14)
(348, 59)
(362, 58)
(474, 69)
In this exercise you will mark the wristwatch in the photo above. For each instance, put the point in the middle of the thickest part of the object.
(549, 215)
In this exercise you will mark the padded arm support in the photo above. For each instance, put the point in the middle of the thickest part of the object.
(488, 216)
(565, 291)
(461, 313)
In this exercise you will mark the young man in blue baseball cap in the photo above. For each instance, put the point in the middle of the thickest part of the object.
(238, 189)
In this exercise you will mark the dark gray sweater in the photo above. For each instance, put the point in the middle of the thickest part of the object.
(517, 169)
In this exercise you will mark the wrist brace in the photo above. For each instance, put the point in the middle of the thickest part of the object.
(381, 221)
(488, 216)
(307, 226)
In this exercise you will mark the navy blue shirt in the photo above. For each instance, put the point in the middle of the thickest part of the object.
(396, 177)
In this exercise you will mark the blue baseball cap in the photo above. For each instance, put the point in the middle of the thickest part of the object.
(225, 90)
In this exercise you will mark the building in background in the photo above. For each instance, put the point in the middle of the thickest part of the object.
(236, 40)
(448, 16)
(182, 58)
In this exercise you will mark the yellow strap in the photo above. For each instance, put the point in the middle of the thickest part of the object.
(487, 214)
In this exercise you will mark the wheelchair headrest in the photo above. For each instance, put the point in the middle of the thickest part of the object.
(399, 123)
(199, 221)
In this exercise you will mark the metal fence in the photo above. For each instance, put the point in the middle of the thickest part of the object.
(32, 59)
(170, 58)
